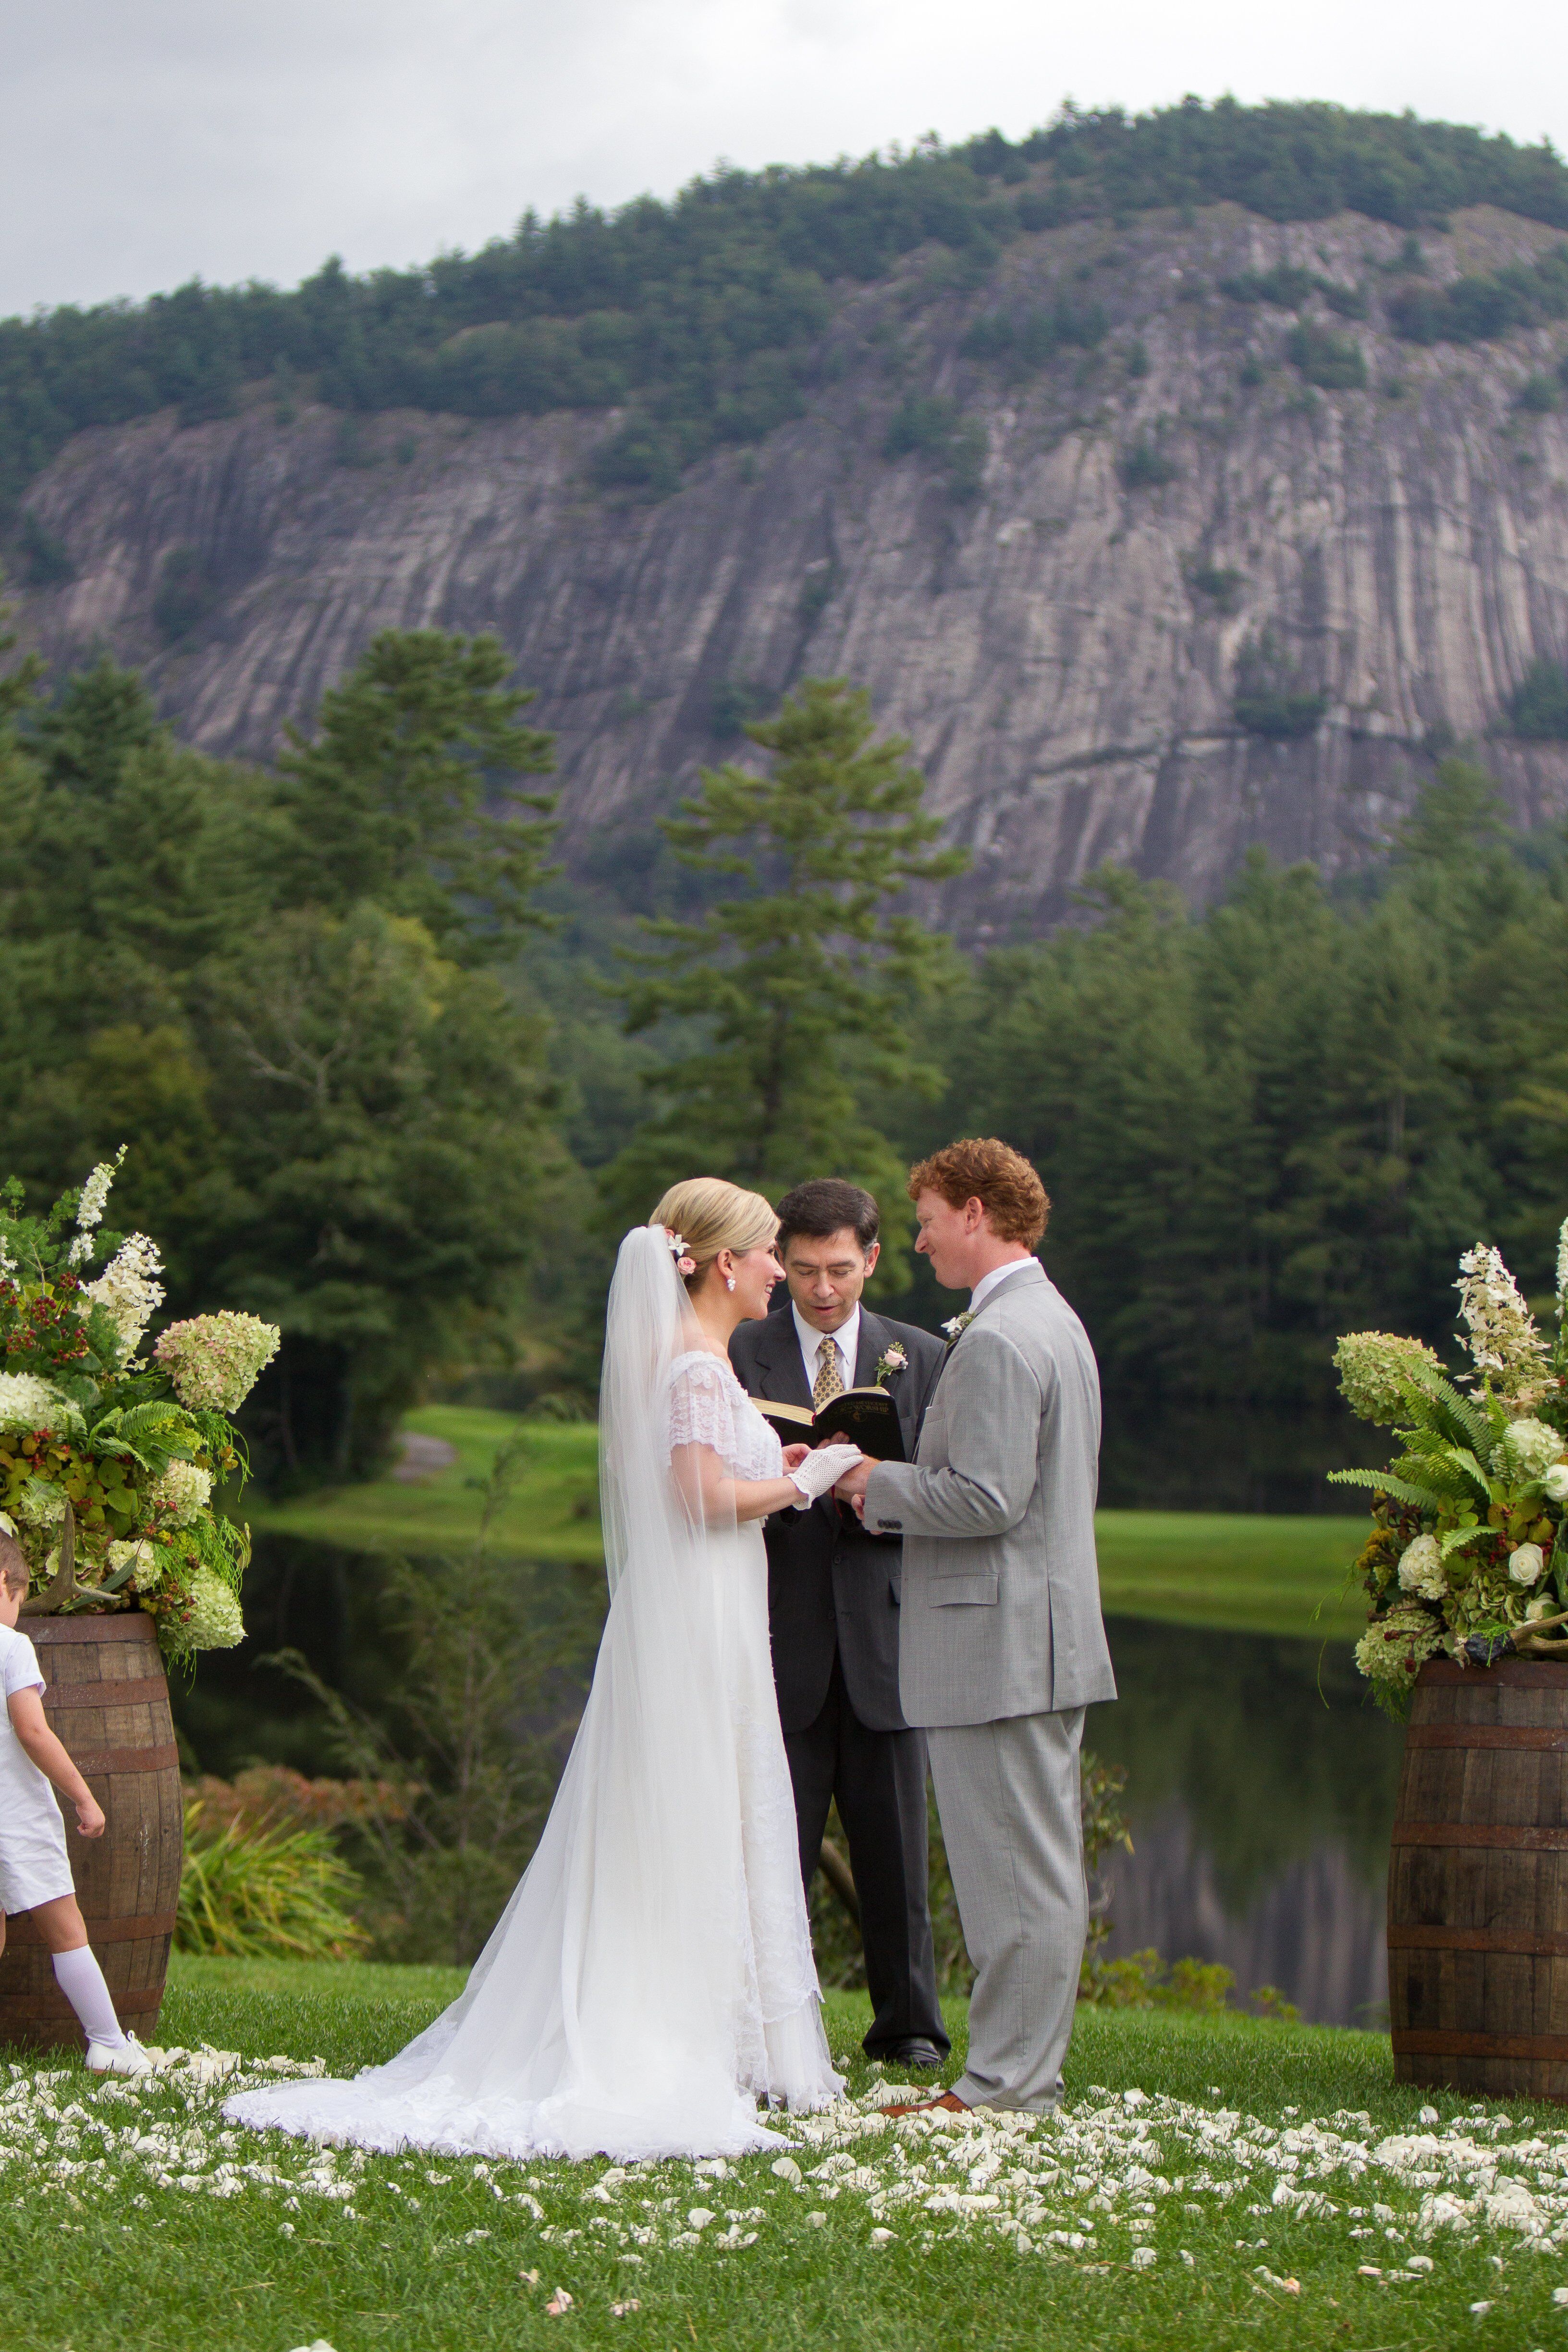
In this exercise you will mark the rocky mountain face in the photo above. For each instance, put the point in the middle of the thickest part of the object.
(1123, 508)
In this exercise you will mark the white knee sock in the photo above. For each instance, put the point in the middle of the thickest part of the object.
(80, 1979)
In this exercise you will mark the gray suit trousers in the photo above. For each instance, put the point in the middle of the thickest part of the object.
(1008, 1796)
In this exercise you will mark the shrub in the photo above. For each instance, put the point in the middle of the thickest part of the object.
(1144, 468)
(46, 562)
(1332, 361)
(249, 1892)
(1271, 699)
(1537, 395)
(930, 424)
(736, 702)
(1137, 360)
(184, 595)
(1221, 585)
(1538, 706)
(1285, 286)
(1033, 337)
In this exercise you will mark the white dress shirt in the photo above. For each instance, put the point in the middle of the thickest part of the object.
(846, 1339)
(993, 1281)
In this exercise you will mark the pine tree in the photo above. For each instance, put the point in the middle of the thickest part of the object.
(796, 1000)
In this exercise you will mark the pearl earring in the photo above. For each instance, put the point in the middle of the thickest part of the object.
(729, 1282)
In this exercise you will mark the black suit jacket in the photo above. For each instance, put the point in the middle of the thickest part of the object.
(831, 1586)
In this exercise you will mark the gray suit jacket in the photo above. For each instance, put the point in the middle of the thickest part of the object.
(1001, 1590)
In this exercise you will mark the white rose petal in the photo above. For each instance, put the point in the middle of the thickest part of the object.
(1526, 1564)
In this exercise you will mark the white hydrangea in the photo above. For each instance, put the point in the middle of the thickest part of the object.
(214, 1360)
(1556, 1483)
(1527, 1564)
(128, 1288)
(1563, 1267)
(92, 1205)
(1503, 1337)
(215, 1621)
(26, 1404)
(1396, 1647)
(184, 1490)
(1420, 1569)
(141, 1557)
(1527, 1448)
(41, 1503)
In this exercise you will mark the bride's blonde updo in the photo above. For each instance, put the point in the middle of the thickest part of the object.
(710, 1215)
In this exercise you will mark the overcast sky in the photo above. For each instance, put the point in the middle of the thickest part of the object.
(141, 145)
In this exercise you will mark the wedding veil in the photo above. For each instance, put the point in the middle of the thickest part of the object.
(616, 2005)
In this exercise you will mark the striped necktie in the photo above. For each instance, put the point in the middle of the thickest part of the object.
(829, 1381)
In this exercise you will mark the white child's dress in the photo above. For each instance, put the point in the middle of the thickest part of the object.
(34, 1864)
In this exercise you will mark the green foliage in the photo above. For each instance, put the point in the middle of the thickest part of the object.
(256, 1893)
(183, 596)
(46, 562)
(398, 796)
(1537, 395)
(1030, 339)
(803, 991)
(1538, 706)
(937, 429)
(1478, 308)
(703, 316)
(1145, 468)
(1283, 1118)
(266, 985)
(497, 1665)
(1271, 699)
(1219, 583)
(1332, 361)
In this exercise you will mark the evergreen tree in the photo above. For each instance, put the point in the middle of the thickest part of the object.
(791, 1003)
(407, 794)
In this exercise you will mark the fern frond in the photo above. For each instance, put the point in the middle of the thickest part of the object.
(1467, 1462)
(1466, 1422)
(1384, 1481)
(1457, 1536)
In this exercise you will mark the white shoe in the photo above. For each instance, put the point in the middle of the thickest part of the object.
(126, 2057)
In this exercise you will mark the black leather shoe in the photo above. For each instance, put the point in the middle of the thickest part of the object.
(924, 2054)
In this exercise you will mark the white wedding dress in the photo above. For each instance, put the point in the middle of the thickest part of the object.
(651, 1978)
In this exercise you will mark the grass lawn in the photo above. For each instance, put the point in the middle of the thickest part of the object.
(1169, 2222)
(1236, 1572)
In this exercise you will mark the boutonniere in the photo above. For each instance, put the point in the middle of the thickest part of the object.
(895, 1361)
(957, 1325)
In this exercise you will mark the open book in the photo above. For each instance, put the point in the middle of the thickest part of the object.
(864, 1417)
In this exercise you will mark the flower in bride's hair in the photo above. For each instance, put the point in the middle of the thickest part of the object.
(685, 1263)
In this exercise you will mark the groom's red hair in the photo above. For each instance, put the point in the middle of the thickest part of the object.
(983, 1168)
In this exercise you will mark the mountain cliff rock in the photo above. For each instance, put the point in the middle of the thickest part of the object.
(1106, 534)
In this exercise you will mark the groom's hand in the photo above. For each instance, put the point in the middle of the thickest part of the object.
(851, 1487)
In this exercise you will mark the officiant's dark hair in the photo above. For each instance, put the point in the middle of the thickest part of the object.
(824, 1205)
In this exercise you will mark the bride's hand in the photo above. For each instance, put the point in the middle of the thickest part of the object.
(822, 1468)
(793, 1455)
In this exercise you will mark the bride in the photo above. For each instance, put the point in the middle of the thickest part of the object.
(651, 1978)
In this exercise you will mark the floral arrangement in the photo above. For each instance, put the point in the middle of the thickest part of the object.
(1469, 1550)
(109, 1456)
(896, 1360)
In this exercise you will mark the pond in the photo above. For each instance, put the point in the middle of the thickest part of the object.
(1260, 1787)
(1260, 1779)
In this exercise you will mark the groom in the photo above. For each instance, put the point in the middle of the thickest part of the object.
(1001, 1643)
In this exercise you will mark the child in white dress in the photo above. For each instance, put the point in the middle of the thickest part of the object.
(35, 1868)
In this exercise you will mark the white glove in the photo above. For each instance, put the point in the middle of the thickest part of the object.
(822, 1470)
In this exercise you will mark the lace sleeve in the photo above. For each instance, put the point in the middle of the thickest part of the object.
(699, 1409)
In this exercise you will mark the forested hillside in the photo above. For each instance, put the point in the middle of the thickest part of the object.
(706, 315)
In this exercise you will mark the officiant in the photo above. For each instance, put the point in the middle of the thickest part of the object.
(833, 1607)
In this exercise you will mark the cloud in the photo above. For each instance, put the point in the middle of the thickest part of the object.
(143, 146)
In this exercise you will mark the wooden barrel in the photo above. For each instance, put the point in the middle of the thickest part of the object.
(107, 1698)
(1477, 1882)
